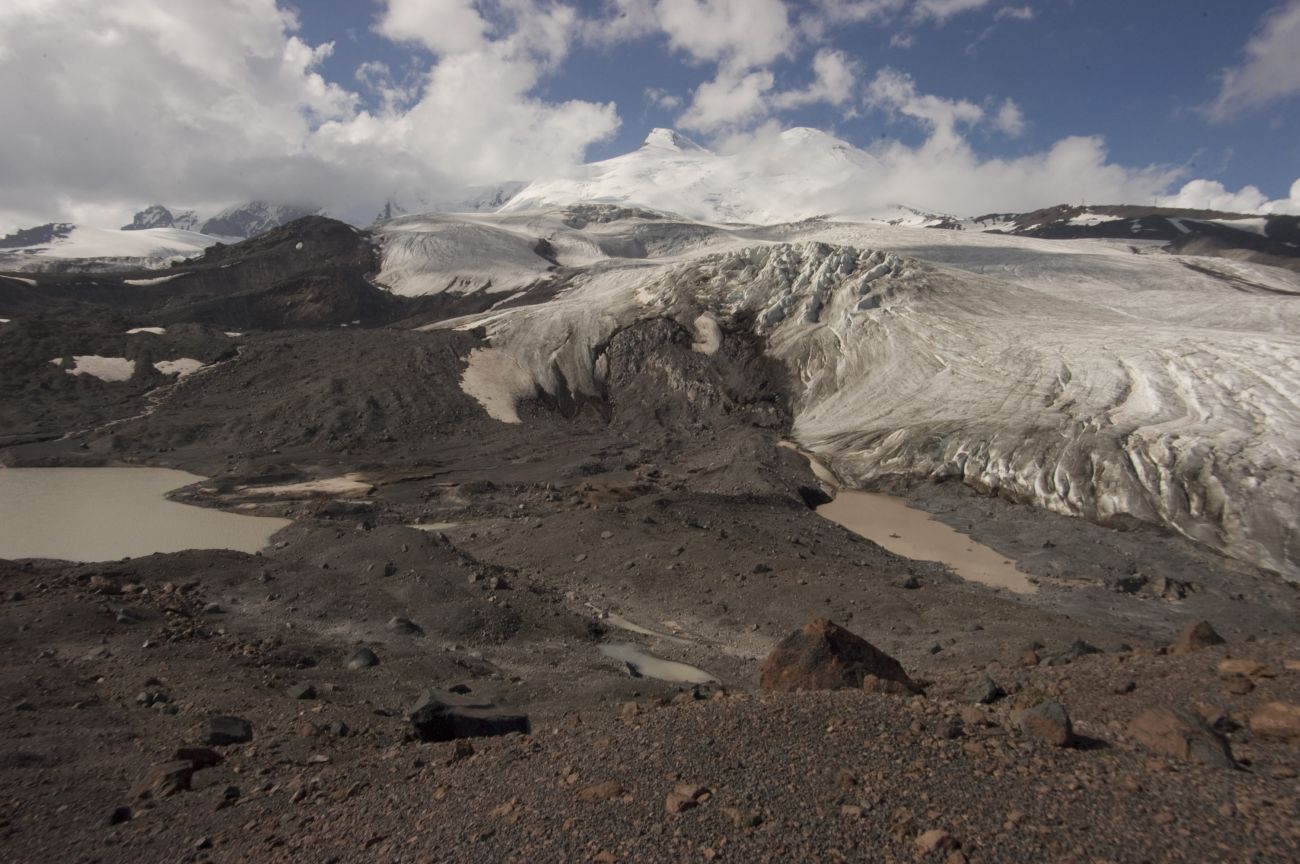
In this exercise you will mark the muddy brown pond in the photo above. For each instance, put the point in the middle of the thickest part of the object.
(103, 514)
(889, 522)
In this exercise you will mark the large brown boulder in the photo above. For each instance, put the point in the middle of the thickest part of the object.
(825, 656)
(1183, 735)
(1277, 720)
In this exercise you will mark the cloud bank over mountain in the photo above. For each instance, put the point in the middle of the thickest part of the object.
(113, 106)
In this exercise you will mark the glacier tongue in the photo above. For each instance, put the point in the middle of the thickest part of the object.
(1079, 377)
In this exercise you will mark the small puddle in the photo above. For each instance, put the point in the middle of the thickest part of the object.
(104, 514)
(434, 526)
(650, 666)
(889, 522)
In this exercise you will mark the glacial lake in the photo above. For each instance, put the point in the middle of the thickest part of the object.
(103, 514)
(889, 522)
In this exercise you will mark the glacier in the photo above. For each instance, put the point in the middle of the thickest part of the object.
(1110, 381)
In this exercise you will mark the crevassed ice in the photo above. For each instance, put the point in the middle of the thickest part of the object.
(1084, 379)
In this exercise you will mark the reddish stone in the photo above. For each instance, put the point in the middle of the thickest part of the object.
(825, 656)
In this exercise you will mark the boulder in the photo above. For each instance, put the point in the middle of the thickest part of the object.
(874, 684)
(1076, 649)
(405, 626)
(685, 796)
(199, 757)
(825, 656)
(363, 658)
(1277, 720)
(163, 781)
(983, 691)
(935, 840)
(436, 720)
(601, 792)
(1238, 668)
(1049, 722)
(1197, 635)
(222, 730)
(1181, 734)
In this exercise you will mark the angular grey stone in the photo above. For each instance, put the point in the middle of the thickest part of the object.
(436, 720)
(222, 730)
(363, 658)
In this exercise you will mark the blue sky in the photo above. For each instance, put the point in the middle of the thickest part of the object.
(1137, 73)
(349, 102)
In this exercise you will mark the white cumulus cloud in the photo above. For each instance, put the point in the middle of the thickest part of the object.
(1213, 195)
(835, 81)
(1271, 70)
(202, 104)
(1010, 120)
(738, 33)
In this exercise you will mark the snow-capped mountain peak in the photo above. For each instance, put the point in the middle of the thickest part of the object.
(158, 216)
(798, 174)
(671, 139)
(253, 218)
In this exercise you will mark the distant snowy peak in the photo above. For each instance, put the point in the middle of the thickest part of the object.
(670, 139)
(1271, 239)
(156, 237)
(61, 246)
(801, 173)
(158, 216)
(254, 218)
(41, 235)
(469, 199)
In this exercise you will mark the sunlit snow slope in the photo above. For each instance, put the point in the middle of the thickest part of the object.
(1094, 378)
(152, 247)
(804, 173)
